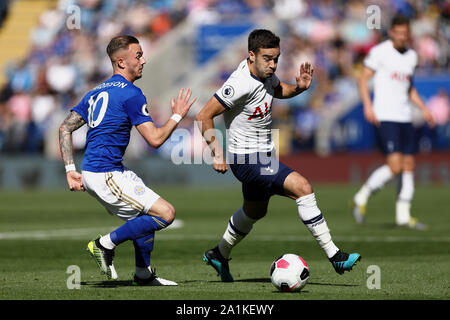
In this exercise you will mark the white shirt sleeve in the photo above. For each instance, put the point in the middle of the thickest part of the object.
(372, 60)
(416, 59)
(233, 92)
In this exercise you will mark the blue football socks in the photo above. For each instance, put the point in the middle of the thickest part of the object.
(137, 228)
(142, 250)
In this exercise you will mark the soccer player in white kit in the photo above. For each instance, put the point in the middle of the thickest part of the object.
(392, 63)
(245, 99)
(110, 110)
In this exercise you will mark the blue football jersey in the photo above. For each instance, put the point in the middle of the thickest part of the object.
(110, 110)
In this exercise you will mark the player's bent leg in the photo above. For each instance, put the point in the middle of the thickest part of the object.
(103, 257)
(145, 275)
(125, 195)
(255, 209)
(403, 216)
(164, 210)
(297, 187)
(395, 162)
(377, 180)
(239, 225)
(133, 229)
(143, 248)
(163, 213)
(409, 163)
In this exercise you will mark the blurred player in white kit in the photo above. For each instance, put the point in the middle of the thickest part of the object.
(392, 63)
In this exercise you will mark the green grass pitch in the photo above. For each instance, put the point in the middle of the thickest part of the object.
(43, 233)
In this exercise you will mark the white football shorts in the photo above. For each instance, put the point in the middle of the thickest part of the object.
(123, 194)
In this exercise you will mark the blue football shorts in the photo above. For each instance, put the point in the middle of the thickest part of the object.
(397, 137)
(262, 174)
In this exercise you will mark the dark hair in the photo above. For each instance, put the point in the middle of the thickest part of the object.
(399, 20)
(261, 38)
(119, 42)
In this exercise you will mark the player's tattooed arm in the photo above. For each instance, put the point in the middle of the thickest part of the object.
(69, 125)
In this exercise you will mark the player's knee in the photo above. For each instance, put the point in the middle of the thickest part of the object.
(396, 168)
(258, 214)
(395, 163)
(167, 212)
(255, 211)
(408, 165)
(303, 188)
(170, 213)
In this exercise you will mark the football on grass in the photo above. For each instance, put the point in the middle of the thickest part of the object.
(289, 273)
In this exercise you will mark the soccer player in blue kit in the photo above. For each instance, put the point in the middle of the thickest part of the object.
(110, 110)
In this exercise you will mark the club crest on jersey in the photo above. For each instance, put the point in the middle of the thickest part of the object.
(139, 190)
(227, 91)
(145, 110)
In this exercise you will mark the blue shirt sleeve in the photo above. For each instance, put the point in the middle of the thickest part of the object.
(137, 110)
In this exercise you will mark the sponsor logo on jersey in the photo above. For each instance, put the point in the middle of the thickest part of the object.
(259, 113)
(400, 76)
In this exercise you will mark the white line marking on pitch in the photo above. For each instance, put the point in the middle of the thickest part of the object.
(79, 233)
(87, 233)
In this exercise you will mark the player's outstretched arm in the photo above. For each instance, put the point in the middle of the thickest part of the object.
(417, 100)
(302, 83)
(205, 120)
(157, 136)
(363, 84)
(69, 125)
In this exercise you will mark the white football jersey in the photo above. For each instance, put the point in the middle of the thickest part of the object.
(392, 81)
(248, 118)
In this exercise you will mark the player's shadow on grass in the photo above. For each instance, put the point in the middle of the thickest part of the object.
(332, 284)
(253, 280)
(108, 284)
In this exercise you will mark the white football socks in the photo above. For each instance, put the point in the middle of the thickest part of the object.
(403, 205)
(238, 227)
(376, 181)
(106, 242)
(316, 224)
(407, 189)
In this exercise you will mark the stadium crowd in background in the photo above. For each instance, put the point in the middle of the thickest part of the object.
(333, 35)
(4, 7)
